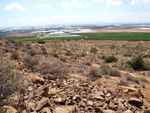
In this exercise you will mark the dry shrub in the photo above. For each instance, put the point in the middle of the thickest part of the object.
(142, 79)
(9, 80)
(132, 79)
(94, 72)
(106, 70)
(30, 62)
(122, 82)
(64, 59)
(55, 68)
(88, 64)
(115, 73)
(14, 55)
(33, 52)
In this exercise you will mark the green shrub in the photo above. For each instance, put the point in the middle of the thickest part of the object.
(110, 59)
(103, 57)
(41, 42)
(68, 53)
(138, 64)
(112, 47)
(93, 50)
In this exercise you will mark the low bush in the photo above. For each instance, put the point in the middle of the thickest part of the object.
(30, 62)
(10, 40)
(93, 50)
(138, 64)
(106, 70)
(68, 53)
(123, 82)
(110, 59)
(14, 55)
(115, 73)
(9, 80)
(88, 64)
(41, 42)
(94, 72)
(132, 79)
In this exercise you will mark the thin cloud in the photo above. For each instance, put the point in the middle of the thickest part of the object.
(113, 3)
(43, 5)
(75, 3)
(13, 6)
(97, 1)
(140, 2)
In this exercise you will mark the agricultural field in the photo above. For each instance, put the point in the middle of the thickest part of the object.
(124, 36)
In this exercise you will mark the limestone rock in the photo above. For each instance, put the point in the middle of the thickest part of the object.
(31, 106)
(90, 103)
(108, 111)
(54, 91)
(10, 109)
(42, 103)
(128, 111)
(135, 101)
(37, 79)
(46, 110)
(61, 110)
(51, 77)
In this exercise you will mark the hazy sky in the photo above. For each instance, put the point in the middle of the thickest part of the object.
(50, 12)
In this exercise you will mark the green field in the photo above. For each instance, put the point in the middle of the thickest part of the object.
(117, 36)
(93, 36)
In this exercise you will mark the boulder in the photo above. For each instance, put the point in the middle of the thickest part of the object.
(135, 101)
(42, 103)
(10, 109)
(37, 79)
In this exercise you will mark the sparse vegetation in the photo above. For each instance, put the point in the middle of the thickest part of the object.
(41, 42)
(9, 80)
(94, 72)
(138, 64)
(93, 50)
(14, 55)
(110, 59)
(30, 62)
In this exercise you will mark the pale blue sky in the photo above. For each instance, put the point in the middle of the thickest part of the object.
(50, 12)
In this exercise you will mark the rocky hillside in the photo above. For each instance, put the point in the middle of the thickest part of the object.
(73, 77)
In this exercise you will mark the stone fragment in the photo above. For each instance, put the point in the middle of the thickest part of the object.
(51, 77)
(128, 111)
(90, 102)
(46, 110)
(30, 88)
(76, 97)
(37, 79)
(42, 103)
(135, 101)
(60, 100)
(31, 106)
(108, 111)
(54, 91)
(61, 110)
